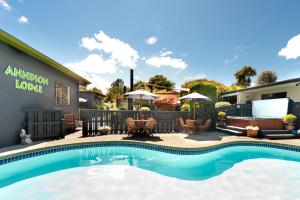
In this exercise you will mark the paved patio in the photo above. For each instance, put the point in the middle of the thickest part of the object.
(178, 140)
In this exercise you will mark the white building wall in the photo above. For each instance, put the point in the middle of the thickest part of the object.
(293, 92)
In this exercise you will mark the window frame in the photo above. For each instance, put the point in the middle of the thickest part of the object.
(60, 100)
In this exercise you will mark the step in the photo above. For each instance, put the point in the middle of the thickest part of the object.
(230, 131)
(265, 132)
(236, 128)
(281, 136)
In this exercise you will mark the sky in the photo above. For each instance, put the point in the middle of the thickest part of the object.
(181, 39)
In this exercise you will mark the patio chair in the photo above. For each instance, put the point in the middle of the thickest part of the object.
(182, 124)
(150, 126)
(131, 126)
(190, 126)
(206, 126)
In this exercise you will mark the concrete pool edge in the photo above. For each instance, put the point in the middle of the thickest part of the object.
(162, 148)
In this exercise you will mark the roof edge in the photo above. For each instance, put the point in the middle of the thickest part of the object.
(18, 44)
(293, 80)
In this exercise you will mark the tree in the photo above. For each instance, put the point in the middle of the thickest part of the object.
(116, 90)
(243, 76)
(140, 85)
(161, 80)
(97, 90)
(266, 77)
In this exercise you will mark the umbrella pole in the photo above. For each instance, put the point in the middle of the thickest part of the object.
(194, 109)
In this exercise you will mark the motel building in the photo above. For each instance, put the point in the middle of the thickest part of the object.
(31, 80)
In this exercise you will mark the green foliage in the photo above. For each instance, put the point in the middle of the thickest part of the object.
(123, 107)
(266, 77)
(222, 104)
(96, 90)
(221, 115)
(243, 76)
(161, 80)
(115, 91)
(144, 109)
(140, 85)
(290, 118)
(185, 108)
(234, 87)
(209, 88)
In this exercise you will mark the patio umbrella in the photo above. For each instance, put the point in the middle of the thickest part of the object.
(194, 96)
(141, 95)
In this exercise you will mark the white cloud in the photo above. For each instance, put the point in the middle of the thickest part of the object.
(5, 5)
(292, 49)
(137, 78)
(93, 64)
(165, 60)
(119, 51)
(231, 60)
(98, 82)
(151, 40)
(167, 53)
(23, 20)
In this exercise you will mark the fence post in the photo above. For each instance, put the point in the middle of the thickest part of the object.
(84, 127)
(63, 131)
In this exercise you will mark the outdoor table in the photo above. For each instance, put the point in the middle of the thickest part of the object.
(141, 124)
(197, 123)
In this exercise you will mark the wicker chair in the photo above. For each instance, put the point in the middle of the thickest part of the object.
(190, 126)
(131, 126)
(182, 124)
(150, 126)
(206, 126)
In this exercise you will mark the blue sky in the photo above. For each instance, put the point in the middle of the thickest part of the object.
(180, 39)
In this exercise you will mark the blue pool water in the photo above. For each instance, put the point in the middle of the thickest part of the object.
(186, 167)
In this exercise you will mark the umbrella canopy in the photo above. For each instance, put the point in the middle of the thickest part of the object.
(141, 94)
(194, 96)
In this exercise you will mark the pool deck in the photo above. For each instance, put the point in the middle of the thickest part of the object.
(177, 140)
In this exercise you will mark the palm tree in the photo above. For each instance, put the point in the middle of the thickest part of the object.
(243, 76)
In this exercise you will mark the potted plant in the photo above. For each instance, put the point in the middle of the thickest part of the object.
(252, 131)
(289, 121)
(104, 130)
(221, 118)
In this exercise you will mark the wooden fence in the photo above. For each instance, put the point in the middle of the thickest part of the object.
(45, 124)
(93, 119)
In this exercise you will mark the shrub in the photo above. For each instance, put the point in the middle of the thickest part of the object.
(221, 115)
(144, 109)
(185, 108)
(222, 104)
(289, 118)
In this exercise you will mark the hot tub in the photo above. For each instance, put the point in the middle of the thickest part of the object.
(262, 123)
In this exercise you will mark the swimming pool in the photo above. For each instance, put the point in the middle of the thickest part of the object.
(189, 165)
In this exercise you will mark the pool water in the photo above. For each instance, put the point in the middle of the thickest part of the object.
(184, 167)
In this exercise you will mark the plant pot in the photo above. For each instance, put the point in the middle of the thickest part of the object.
(290, 126)
(252, 133)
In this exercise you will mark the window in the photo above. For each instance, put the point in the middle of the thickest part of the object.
(62, 94)
(230, 99)
(277, 95)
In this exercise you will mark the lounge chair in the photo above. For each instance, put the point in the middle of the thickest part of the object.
(190, 126)
(150, 126)
(131, 126)
(206, 126)
(70, 122)
(182, 124)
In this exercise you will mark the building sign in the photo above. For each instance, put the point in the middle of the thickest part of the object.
(26, 80)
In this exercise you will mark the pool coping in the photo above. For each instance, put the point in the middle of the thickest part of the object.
(162, 148)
